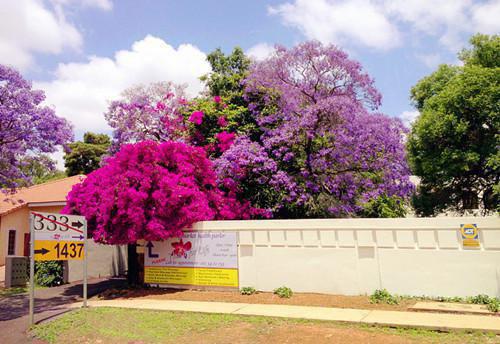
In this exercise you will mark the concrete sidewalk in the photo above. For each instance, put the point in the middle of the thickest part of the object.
(434, 321)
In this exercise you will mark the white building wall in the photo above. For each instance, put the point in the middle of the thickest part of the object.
(411, 256)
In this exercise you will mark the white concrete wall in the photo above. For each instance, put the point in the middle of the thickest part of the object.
(412, 256)
(103, 261)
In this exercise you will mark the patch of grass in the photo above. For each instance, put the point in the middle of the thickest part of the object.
(112, 324)
(118, 325)
(6, 292)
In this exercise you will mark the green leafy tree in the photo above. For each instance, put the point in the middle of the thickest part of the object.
(453, 145)
(39, 169)
(385, 207)
(225, 81)
(85, 156)
(486, 52)
(227, 74)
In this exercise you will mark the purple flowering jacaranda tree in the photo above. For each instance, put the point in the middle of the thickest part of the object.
(148, 112)
(316, 107)
(27, 128)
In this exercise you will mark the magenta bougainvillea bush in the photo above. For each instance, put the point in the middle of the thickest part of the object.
(152, 191)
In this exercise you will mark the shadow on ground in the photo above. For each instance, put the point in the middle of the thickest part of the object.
(52, 299)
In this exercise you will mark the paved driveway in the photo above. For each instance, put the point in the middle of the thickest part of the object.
(49, 302)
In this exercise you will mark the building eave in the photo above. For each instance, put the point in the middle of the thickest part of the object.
(46, 204)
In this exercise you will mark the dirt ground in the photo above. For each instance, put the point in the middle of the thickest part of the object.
(298, 299)
(245, 333)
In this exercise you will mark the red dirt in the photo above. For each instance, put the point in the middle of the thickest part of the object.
(299, 299)
(245, 333)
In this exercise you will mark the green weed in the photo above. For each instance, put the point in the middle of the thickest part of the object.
(248, 291)
(283, 292)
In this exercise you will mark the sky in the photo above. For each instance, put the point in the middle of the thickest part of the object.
(84, 53)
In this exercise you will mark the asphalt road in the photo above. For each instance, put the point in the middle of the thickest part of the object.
(49, 302)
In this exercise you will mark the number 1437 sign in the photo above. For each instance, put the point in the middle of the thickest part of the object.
(58, 236)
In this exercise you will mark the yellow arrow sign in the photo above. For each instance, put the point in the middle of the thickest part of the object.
(58, 250)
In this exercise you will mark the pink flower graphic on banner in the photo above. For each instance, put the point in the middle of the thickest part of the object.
(181, 248)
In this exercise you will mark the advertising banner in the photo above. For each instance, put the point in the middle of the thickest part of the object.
(205, 259)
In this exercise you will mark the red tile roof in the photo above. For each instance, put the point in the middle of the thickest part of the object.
(53, 191)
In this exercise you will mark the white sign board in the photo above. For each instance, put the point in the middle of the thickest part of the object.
(195, 249)
(51, 226)
(197, 259)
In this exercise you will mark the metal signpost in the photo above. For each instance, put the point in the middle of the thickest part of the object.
(56, 237)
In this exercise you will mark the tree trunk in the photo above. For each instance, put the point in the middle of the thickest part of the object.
(133, 265)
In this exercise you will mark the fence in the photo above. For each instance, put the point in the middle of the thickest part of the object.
(411, 256)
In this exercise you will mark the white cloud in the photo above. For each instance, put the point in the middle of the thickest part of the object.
(102, 4)
(80, 91)
(408, 117)
(428, 16)
(58, 157)
(28, 27)
(381, 23)
(356, 21)
(445, 19)
(486, 17)
(260, 51)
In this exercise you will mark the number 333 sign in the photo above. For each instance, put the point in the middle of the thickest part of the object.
(58, 236)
